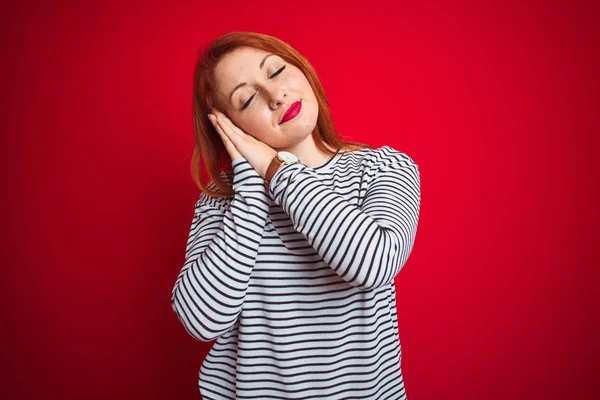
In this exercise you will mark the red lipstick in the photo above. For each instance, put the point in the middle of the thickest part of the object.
(291, 112)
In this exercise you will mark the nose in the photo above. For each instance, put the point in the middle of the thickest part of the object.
(277, 100)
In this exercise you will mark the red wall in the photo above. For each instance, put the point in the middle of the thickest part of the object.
(497, 103)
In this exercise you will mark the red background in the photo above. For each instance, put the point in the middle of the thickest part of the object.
(497, 103)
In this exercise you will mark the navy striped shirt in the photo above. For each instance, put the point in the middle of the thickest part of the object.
(296, 283)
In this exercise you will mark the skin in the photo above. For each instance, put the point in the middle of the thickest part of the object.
(254, 132)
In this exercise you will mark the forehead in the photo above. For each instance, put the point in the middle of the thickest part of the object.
(241, 61)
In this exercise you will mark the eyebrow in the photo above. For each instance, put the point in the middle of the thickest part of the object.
(262, 63)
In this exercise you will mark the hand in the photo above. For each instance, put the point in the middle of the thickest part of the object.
(239, 144)
(229, 146)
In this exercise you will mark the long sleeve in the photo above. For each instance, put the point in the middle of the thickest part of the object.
(220, 254)
(367, 245)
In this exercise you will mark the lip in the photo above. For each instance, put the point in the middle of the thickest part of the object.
(291, 112)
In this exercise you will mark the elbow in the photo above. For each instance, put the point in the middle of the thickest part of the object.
(374, 273)
(203, 335)
(364, 286)
(198, 326)
(370, 277)
(372, 284)
(192, 325)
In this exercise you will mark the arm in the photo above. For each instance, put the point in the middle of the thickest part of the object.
(220, 254)
(366, 246)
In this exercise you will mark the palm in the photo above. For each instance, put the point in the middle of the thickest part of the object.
(240, 144)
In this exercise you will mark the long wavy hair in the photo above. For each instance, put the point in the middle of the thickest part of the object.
(209, 147)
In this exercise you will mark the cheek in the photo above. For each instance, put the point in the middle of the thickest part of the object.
(259, 126)
(298, 83)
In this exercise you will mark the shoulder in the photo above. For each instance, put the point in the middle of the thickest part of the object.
(383, 156)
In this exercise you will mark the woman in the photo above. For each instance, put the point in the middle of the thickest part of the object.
(292, 254)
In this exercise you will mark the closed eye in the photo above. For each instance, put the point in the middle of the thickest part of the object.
(272, 76)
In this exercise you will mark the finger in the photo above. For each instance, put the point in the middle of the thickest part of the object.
(217, 124)
(225, 138)
(228, 130)
(233, 128)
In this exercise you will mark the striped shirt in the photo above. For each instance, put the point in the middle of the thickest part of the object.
(296, 283)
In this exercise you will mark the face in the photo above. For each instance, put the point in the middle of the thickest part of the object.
(258, 106)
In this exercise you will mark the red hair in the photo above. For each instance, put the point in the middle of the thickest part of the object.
(209, 147)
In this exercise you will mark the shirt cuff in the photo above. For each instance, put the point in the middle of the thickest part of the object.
(282, 174)
(245, 176)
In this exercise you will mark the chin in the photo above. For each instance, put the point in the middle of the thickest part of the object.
(304, 126)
